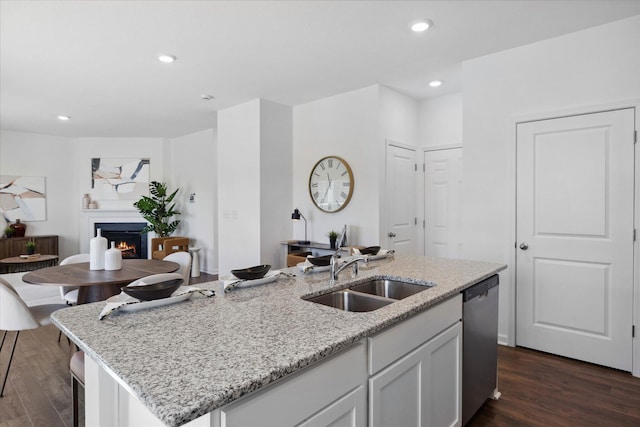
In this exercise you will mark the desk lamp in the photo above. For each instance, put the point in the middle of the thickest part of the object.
(296, 217)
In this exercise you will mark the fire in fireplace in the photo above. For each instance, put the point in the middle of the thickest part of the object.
(126, 236)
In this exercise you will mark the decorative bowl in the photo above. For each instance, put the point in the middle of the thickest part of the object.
(251, 273)
(153, 291)
(371, 250)
(320, 261)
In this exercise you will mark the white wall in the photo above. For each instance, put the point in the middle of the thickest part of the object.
(190, 162)
(254, 190)
(276, 168)
(582, 69)
(345, 125)
(52, 157)
(440, 121)
(88, 148)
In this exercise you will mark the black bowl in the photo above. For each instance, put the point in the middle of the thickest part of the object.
(371, 250)
(154, 290)
(251, 273)
(320, 261)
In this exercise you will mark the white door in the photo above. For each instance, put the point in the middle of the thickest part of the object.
(401, 200)
(443, 213)
(575, 236)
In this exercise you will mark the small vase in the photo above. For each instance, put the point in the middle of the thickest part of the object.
(113, 258)
(85, 201)
(97, 248)
(19, 229)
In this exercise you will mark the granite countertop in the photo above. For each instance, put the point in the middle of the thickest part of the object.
(187, 359)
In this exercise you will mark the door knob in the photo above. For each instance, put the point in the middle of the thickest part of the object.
(524, 246)
(391, 234)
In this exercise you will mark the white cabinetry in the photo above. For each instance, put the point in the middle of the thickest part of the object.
(422, 387)
(331, 392)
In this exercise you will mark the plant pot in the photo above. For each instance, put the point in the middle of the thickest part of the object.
(332, 242)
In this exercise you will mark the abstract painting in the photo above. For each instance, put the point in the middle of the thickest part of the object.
(119, 179)
(23, 197)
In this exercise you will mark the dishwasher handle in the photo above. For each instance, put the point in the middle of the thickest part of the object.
(480, 289)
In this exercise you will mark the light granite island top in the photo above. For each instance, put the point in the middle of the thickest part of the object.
(185, 360)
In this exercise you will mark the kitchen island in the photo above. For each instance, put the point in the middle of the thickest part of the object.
(183, 361)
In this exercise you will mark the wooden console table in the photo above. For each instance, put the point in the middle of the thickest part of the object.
(16, 246)
(16, 264)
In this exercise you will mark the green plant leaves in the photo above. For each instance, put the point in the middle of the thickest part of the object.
(158, 209)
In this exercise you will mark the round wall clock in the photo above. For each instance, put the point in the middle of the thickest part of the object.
(331, 184)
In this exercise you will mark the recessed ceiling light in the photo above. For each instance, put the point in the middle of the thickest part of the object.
(207, 97)
(167, 59)
(64, 118)
(435, 83)
(421, 25)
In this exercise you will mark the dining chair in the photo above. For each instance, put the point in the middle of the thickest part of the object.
(164, 246)
(76, 367)
(184, 259)
(70, 293)
(16, 316)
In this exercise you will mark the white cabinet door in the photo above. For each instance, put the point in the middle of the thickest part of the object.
(348, 411)
(423, 388)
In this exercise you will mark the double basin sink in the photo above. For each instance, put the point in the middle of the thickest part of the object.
(370, 295)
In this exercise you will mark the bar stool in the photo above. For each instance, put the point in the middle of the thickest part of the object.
(76, 366)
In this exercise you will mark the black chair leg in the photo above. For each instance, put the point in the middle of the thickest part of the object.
(74, 400)
(6, 375)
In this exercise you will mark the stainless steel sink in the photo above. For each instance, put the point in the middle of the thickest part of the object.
(351, 301)
(369, 295)
(388, 288)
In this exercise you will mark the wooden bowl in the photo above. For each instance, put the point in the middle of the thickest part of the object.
(320, 261)
(371, 250)
(251, 273)
(153, 291)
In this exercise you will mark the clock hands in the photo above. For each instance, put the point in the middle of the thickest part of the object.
(324, 198)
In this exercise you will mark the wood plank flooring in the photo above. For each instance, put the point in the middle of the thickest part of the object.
(538, 389)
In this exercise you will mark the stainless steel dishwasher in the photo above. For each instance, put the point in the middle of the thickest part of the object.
(479, 345)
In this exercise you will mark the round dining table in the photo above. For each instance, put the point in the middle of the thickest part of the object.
(98, 285)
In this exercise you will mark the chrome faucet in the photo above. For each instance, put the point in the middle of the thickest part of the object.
(335, 269)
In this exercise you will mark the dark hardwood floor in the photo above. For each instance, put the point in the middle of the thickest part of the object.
(537, 389)
(540, 389)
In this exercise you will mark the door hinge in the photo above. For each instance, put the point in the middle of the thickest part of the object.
(415, 167)
(415, 222)
(424, 224)
(635, 136)
(633, 331)
(634, 234)
(424, 168)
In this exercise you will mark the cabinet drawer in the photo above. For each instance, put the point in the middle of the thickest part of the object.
(391, 344)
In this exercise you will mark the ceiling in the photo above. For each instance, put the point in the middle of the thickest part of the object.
(96, 61)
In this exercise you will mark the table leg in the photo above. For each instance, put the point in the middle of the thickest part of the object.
(87, 294)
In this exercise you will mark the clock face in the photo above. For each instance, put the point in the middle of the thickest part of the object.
(331, 184)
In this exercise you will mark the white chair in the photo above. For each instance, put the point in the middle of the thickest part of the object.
(184, 259)
(15, 315)
(70, 293)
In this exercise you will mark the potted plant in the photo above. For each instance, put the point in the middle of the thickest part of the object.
(333, 236)
(31, 247)
(158, 210)
(8, 232)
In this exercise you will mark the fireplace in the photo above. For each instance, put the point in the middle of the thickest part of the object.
(126, 236)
